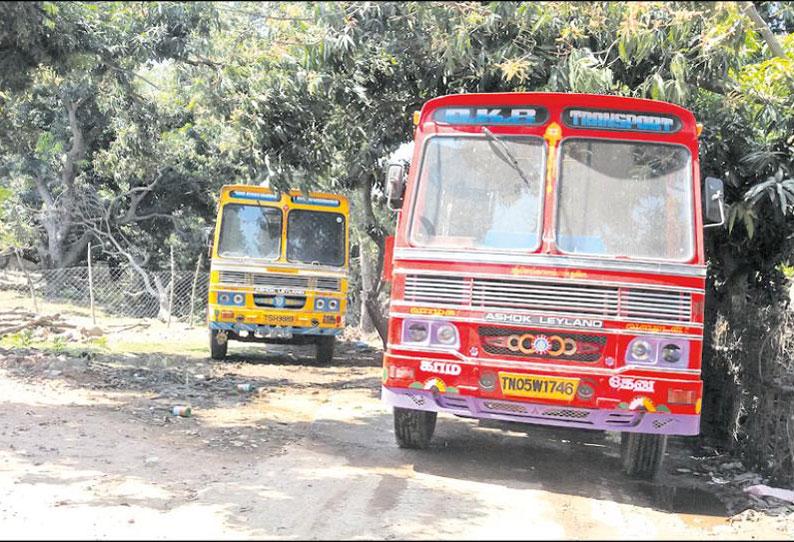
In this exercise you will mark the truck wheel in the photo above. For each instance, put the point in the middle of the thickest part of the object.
(642, 454)
(218, 345)
(414, 428)
(325, 349)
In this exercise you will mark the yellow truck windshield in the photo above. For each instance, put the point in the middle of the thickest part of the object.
(316, 237)
(250, 231)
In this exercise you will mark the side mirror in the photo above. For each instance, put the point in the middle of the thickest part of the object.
(355, 252)
(207, 238)
(395, 185)
(715, 202)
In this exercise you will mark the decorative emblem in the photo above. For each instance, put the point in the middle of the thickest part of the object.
(553, 345)
(279, 301)
(541, 344)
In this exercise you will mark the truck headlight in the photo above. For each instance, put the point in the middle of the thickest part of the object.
(671, 353)
(239, 299)
(430, 332)
(319, 304)
(415, 331)
(446, 334)
(641, 350)
(651, 350)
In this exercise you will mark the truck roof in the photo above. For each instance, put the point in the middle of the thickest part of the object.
(557, 101)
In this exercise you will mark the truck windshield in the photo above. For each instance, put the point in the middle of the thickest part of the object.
(250, 231)
(316, 237)
(625, 199)
(470, 195)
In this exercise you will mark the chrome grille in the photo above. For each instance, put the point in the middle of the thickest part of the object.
(330, 284)
(543, 296)
(550, 297)
(280, 281)
(233, 277)
(589, 347)
(507, 407)
(566, 413)
(445, 290)
(655, 304)
(241, 278)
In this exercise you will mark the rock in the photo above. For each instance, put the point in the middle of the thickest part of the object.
(151, 460)
(762, 490)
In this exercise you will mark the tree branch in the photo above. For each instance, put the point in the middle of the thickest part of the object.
(774, 45)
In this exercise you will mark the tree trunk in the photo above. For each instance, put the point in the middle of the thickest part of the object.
(366, 324)
(375, 231)
(58, 214)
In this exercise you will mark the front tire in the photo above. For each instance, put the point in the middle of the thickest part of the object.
(642, 454)
(218, 348)
(325, 349)
(414, 428)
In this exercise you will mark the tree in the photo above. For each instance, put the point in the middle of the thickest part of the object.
(73, 73)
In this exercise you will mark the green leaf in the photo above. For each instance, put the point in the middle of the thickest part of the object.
(782, 197)
(749, 224)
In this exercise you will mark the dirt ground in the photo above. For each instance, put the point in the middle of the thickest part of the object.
(89, 448)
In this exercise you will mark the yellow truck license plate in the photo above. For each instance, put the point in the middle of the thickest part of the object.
(539, 387)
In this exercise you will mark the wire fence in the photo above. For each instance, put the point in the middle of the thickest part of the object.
(116, 291)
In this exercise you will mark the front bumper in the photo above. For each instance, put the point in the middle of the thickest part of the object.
(663, 423)
(265, 329)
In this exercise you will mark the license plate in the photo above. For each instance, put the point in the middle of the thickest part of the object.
(538, 387)
(278, 333)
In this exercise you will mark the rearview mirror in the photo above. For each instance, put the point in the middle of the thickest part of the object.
(715, 202)
(207, 238)
(395, 185)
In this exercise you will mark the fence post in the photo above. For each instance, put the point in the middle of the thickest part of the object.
(171, 294)
(30, 282)
(193, 290)
(91, 286)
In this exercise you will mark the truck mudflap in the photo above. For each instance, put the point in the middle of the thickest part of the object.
(640, 421)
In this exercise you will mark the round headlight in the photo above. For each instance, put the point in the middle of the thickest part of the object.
(319, 303)
(238, 299)
(223, 298)
(446, 334)
(333, 304)
(640, 350)
(417, 332)
(671, 353)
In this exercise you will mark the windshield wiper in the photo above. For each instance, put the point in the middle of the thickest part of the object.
(501, 150)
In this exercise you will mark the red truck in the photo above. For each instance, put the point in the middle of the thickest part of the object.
(548, 268)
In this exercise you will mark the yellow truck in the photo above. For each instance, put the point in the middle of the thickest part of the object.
(279, 270)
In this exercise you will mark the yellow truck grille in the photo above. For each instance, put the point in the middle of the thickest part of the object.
(272, 280)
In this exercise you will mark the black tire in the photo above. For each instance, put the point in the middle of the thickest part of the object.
(325, 349)
(217, 350)
(414, 428)
(642, 454)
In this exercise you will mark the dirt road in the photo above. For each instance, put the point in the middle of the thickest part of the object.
(89, 449)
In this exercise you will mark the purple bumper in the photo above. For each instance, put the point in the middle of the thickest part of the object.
(663, 423)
